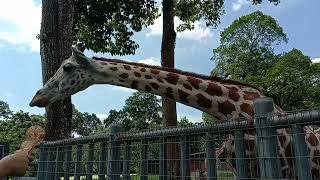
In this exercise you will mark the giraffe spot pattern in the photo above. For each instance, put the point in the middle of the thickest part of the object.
(134, 84)
(103, 63)
(113, 63)
(143, 70)
(154, 85)
(148, 77)
(148, 88)
(213, 89)
(169, 93)
(226, 107)
(172, 78)
(203, 101)
(313, 140)
(183, 95)
(127, 67)
(250, 95)
(233, 93)
(247, 108)
(114, 68)
(124, 75)
(160, 80)
(137, 74)
(187, 86)
(154, 71)
(195, 82)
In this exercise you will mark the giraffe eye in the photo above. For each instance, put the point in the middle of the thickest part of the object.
(68, 67)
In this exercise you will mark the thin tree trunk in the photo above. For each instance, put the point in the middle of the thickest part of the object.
(55, 43)
(169, 112)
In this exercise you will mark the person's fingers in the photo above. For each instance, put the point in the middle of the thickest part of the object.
(30, 158)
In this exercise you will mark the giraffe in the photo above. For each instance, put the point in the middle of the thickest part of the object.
(222, 98)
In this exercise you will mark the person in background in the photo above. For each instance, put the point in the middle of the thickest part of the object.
(14, 164)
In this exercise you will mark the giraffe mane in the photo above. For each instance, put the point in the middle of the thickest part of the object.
(173, 70)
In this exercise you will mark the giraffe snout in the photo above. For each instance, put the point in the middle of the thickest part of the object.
(39, 100)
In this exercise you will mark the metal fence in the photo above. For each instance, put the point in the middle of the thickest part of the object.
(274, 147)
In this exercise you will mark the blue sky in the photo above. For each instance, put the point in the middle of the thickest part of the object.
(20, 69)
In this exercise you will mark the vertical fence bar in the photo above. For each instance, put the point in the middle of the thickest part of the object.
(43, 160)
(144, 160)
(59, 163)
(102, 161)
(211, 157)
(126, 161)
(269, 161)
(90, 161)
(301, 152)
(51, 163)
(77, 168)
(68, 154)
(185, 158)
(114, 154)
(240, 152)
(163, 159)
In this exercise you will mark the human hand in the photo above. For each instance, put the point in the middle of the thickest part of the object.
(15, 164)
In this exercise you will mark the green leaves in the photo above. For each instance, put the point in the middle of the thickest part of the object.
(108, 26)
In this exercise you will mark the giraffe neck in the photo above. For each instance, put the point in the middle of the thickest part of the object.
(217, 98)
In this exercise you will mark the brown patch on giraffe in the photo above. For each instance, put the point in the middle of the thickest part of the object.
(114, 68)
(134, 84)
(126, 67)
(172, 78)
(154, 71)
(247, 108)
(148, 77)
(121, 80)
(160, 80)
(250, 95)
(214, 90)
(137, 74)
(183, 95)
(312, 139)
(136, 67)
(233, 93)
(148, 88)
(187, 86)
(103, 63)
(316, 156)
(195, 82)
(203, 101)
(143, 69)
(113, 63)
(124, 75)
(226, 107)
(169, 93)
(154, 85)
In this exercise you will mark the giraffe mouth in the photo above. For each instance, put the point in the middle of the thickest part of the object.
(39, 100)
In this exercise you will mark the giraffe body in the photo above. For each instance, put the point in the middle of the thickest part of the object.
(223, 99)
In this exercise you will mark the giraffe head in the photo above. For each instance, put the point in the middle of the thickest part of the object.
(74, 74)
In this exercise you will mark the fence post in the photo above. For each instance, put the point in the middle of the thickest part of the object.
(90, 161)
(267, 146)
(102, 159)
(144, 160)
(114, 153)
(163, 159)
(301, 152)
(185, 158)
(77, 168)
(211, 157)
(42, 173)
(240, 152)
(67, 163)
(126, 161)
(59, 163)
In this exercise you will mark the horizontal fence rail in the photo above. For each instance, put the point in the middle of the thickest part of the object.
(276, 146)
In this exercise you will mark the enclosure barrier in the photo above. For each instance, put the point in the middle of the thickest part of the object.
(194, 150)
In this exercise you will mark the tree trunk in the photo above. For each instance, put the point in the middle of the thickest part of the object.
(55, 43)
(169, 112)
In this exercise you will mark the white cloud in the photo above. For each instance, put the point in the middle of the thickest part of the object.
(239, 4)
(20, 23)
(316, 60)
(151, 61)
(102, 116)
(199, 33)
(123, 89)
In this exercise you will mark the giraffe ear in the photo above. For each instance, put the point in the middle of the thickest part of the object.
(80, 57)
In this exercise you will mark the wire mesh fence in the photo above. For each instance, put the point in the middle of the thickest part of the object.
(274, 147)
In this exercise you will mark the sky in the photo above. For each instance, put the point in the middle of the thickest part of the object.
(20, 64)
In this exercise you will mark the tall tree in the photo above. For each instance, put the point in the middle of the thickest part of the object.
(55, 42)
(246, 48)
